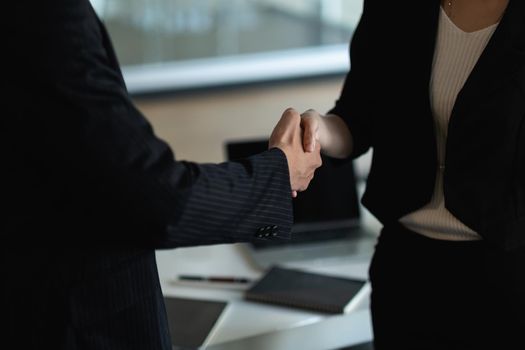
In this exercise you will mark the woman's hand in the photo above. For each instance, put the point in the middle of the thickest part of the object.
(330, 131)
(310, 123)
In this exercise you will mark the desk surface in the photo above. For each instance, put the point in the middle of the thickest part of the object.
(258, 326)
(196, 127)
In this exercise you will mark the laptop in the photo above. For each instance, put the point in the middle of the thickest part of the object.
(327, 216)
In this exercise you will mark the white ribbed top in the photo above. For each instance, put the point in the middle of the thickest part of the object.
(455, 56)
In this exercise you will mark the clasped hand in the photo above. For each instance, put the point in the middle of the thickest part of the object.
(300, 146)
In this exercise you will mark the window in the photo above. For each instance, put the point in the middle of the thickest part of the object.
(181, 44)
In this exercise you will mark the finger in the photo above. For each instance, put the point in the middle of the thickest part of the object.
(309, 112)
(304, 187)
(289, 121)
(318, 153)
(290, 116)
(309, 132)
(310, 177)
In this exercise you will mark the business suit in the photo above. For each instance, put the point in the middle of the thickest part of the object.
(386, 104)
(90, 192)
(464, 295)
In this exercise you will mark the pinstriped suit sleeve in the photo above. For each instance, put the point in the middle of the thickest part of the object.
(111, 173)
(231, 201)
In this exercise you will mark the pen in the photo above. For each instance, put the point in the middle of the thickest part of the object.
(220, 279)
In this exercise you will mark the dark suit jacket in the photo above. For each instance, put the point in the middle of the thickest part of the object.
(385, 102)
(90, 192)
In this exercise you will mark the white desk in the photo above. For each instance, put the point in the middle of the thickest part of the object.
(248, 325)
(225, 115)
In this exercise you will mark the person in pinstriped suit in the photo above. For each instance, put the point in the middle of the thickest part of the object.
(91, 192)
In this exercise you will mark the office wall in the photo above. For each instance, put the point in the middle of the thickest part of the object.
(196, 125)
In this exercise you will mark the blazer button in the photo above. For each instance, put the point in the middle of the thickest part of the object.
(260, 232)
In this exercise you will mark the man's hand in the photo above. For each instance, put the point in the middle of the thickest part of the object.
(288, 136)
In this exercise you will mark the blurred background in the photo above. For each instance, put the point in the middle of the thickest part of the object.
(180, 44)
(207, 71)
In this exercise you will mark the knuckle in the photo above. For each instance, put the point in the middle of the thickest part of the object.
(290, 111)
(309, 112)
(307, 119)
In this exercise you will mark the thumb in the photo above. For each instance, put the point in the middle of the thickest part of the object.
(310, 134)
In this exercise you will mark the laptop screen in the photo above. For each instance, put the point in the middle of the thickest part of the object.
(331, 200)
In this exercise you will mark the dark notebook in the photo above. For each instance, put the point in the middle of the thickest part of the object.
(307, 290)
(192, 320)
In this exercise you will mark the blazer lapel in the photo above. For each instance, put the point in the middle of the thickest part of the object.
(502, 58)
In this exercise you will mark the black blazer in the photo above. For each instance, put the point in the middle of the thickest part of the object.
(90, 192)
(385, 102)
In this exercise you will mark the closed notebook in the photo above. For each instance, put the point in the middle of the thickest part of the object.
(307, 290)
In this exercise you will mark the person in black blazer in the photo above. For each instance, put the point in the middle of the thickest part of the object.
(437, 90)
(89, 192)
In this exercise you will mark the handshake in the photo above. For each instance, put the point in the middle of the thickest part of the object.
(299, 140)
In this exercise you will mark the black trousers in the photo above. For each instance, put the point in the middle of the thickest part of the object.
(434, 294)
